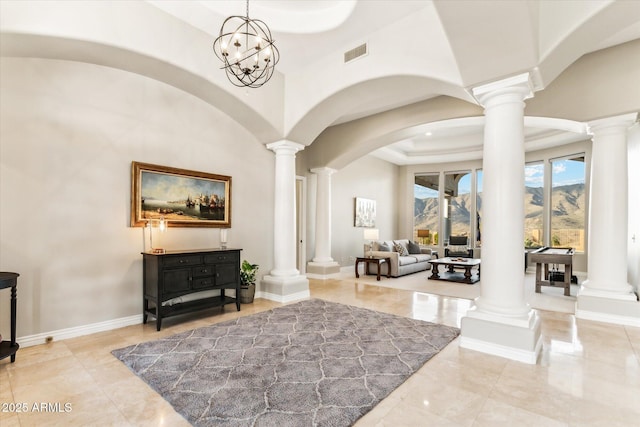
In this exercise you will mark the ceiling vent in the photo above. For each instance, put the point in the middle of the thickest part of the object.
(355, 53)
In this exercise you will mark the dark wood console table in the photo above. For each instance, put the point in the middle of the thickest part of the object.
(9, 348)
(176, 274)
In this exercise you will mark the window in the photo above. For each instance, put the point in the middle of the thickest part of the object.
(533, 205)
(457, 205)
(426, 208)
(568, 202)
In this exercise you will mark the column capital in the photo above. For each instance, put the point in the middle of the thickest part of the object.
(615, 123)
(286, 147)
(323, 171)
(519, 85)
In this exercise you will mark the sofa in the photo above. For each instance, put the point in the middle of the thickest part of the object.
(412, 259)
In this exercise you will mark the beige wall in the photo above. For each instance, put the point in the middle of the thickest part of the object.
(369, 178)
(68, 134)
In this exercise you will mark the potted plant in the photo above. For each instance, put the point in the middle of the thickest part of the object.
(247, 281)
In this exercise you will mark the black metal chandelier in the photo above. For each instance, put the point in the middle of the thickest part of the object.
(246, 49)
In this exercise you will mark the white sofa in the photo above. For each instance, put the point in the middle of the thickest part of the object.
(400, 264)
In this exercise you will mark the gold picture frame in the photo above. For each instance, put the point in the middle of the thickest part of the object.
(183, 198)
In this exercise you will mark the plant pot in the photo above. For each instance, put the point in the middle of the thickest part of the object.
(247, 293)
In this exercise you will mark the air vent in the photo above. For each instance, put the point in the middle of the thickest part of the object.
(355, 53)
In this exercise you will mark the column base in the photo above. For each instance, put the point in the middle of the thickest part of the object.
(512, 338)
(323, 270)
(620, 309)
(284, 288)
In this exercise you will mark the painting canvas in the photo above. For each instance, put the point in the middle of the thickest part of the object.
(181, 197)
(365, 212)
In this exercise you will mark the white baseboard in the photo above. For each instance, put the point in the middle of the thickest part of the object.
(519, 355)
(324, 276)
(608, 318)
(78, 331)
(283, 299)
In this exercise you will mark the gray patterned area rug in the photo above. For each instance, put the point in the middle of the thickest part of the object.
(312, 363)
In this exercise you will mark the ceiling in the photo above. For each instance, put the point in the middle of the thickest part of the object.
(418, 50)
(521, 35)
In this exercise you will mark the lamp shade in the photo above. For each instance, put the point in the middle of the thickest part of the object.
(423, 233)
(371, 234)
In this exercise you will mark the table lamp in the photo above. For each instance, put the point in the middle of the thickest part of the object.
(162, 225)
(223, 238)
(423, 235)
(372, 235)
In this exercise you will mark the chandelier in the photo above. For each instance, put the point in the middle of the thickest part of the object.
(246, 49)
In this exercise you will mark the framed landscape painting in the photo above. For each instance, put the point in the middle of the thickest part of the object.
(181, 197)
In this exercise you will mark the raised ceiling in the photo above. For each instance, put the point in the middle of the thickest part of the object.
(418, 50)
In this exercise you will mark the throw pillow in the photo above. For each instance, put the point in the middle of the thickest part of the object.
(383, 247)
(457, 248)
(402, 251)
(414, 248)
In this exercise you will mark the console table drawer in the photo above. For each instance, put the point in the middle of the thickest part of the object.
(179, 261)
(220, 258)
(204, 282)
(202, 270)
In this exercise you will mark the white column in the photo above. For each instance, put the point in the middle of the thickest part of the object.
(284, 283)
(502, 323)
(323, 266)
(606, 295)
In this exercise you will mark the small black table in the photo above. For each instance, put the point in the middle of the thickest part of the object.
(376, 261)
(9, 348)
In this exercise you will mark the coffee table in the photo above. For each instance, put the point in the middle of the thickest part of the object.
(450, 275)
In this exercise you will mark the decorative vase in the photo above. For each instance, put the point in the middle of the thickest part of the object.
(247, 293)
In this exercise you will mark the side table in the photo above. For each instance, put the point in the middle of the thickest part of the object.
(9, 348)
(376, 261)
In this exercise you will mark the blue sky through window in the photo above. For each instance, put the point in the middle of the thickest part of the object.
(565, 172)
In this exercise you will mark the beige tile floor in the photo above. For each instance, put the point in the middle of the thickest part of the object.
(588, 373)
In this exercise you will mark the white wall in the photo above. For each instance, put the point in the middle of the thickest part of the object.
(68, 134)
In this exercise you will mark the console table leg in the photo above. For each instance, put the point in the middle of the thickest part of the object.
(357, 274)
(145, 308)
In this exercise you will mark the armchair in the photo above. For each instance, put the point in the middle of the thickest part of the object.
(458, 247)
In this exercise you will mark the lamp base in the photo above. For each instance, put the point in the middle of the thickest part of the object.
(158, 251)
